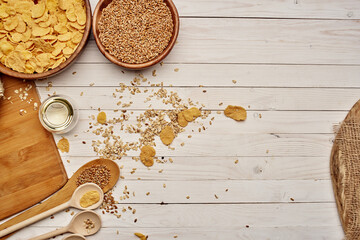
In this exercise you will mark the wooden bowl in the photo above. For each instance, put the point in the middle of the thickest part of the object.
(135, 66)
(62, 66)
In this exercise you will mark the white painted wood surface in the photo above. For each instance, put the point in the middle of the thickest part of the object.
(296, 63)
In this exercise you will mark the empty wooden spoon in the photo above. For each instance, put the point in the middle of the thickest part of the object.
(77, 225)
(65, 193)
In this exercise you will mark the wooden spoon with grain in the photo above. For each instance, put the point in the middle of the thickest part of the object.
(65, 193)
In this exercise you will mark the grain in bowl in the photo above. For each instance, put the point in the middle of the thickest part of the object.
(135, 32)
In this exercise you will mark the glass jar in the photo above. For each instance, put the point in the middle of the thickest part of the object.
(58, 114)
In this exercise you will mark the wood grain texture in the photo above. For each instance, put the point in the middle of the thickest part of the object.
(219, 215)
(269, 99)
(30, 165)
(260, 122)
(213, 233)
(214, 75)
(220, 168)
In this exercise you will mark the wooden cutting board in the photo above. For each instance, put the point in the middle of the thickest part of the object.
(30, 165)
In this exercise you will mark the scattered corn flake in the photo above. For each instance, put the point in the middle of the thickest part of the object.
(188, 115)
(63, 145)
(154, 73)
(235, 112)
(101, 118)
(236, 161)
(167, 135)
(234, 81)
(181, 120)
(147, 155)
(176, 70)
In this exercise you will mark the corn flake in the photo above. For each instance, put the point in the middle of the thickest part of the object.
(38, 10)
(167, 135)
(181, 120)
(11, 23)
(63, 145)
(235, 112)
(188, 115)
(147, 155)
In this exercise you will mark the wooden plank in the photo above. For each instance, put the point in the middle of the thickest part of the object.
(300, 99)
(218, 168)
(219, 145)
(213, 75)
(257, 122)
(220, 215)
(214, 191)
(213, 233)
(347, 9)
(258, 41)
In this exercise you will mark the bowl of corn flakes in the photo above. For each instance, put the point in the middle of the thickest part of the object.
(39, 38)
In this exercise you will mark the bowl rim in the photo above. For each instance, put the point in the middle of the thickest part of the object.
(32, 76)
(136, 66)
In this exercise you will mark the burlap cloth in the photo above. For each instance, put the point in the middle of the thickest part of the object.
(345, 171)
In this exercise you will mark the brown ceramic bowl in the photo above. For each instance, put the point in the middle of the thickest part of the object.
(33, 76)
(135, 66)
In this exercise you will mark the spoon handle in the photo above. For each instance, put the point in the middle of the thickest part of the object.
(51, 234)
(34, 219)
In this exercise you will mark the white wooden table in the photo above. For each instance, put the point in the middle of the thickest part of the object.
(296, 63)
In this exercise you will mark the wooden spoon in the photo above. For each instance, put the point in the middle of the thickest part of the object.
(65, 193)
(73, 202)
(76, 226)
(74, 237)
